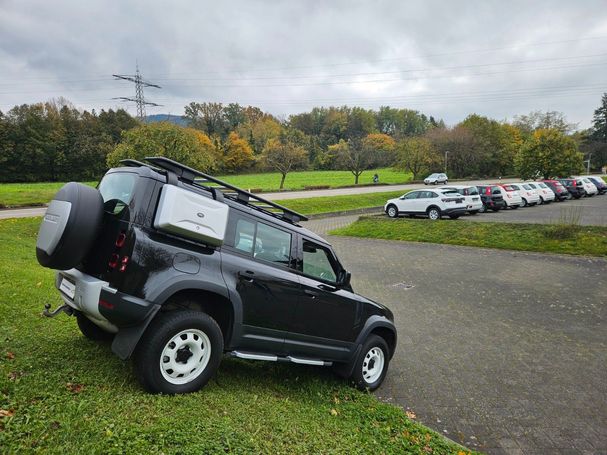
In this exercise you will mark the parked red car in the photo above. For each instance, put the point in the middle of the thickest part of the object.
(560, 192)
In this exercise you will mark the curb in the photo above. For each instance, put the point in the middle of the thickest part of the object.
(318, 216)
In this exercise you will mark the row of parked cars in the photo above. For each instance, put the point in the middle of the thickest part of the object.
(456, 200)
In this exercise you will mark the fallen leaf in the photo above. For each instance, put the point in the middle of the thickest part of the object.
(39, 283)
(334, 412)
(336, 400)
(427, 449)
(74, 388)
(55, 425)
(411, 414)
(10, 355)
(6, 413)
(14, 375)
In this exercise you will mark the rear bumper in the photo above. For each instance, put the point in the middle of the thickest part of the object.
(101, 303)
(454, 211)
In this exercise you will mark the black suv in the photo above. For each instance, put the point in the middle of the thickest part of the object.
(176, 267)
(491, 196)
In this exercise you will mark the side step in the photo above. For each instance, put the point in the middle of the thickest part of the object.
(275, 358)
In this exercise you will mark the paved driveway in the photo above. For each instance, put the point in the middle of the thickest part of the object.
(505, 352)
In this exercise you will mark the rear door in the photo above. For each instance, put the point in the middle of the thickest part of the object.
(258, 264)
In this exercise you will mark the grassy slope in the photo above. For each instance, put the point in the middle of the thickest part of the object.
(588, 240)
(24, 194)
(326, 204)
(70, 395)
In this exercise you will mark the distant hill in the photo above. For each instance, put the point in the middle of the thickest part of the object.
(177, 119)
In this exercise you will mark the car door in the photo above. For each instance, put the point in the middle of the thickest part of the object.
(328, 316)
(258, 265)
(406, 203)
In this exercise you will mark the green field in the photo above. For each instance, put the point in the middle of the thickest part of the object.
(61, 393)
(31, 194)
(328, 204)
(565, 239)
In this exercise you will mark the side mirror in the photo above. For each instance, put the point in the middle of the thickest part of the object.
(344, 278)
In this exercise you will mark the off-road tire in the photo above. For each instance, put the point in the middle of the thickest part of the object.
(361, 370)
(157, 339)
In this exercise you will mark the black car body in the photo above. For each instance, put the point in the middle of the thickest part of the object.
(575, 188)
(276, 290)
(491, 196)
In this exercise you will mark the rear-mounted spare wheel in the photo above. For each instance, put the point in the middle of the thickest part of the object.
(69, 227)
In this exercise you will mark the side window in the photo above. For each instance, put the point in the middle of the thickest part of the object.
(412, 195)
(244, 235)
(317, 262)
(272, 244)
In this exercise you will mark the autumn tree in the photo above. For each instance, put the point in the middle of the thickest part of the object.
(207, 117)
(416, 155)
(381, 146)
(186, 145)
(548, 153)
(284, 156)
(537, 120)
(352, 156)
(237, 153)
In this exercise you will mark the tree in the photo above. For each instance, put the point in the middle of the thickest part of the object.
(599, 121)
(353, 157)
(380, 145)
(237, 153)
(186, 145)
(416, 155)
(548, 153)
(537, 120)
(284, 156)
(464, 155)
(207, 117)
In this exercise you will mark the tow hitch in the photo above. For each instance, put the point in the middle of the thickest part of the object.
(65, 308)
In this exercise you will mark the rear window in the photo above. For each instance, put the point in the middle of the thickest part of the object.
(542, 185)
(509, 188)
(117, 190)
(472, 191)
(527, 187)
(496, 190)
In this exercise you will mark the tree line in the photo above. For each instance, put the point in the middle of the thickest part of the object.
(55, 141)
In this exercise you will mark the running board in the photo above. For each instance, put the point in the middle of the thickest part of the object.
(275, 358)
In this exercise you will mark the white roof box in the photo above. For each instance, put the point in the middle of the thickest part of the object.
(191, 215)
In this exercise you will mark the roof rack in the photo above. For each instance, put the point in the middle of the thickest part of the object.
(134, 163)
(210, 183)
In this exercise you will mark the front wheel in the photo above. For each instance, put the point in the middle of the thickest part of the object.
(433, 213)
(392, 211)
(179, 352)
(372, 364)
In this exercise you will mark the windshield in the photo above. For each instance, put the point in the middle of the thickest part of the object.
(117, 190)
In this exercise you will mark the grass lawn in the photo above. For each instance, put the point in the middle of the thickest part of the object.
(61, 393)
(579, 240)
(28, 194)
(326, 204)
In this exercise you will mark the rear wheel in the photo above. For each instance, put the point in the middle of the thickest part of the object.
(392, 211)
(483, 209)
(514, 207)
(525, 204)
(473, 212)
(372, 364)
(91, 330)
(179, 352)
(433, 213)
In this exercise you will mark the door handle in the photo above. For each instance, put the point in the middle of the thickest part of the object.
(247, 275)
(311, 294)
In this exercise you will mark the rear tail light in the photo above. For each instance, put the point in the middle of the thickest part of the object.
(120, 240)
(108, 305)
(113, 261)
(123, 263)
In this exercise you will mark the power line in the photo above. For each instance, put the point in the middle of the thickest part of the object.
(139, 98)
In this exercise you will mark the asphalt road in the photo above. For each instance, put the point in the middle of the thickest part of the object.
(505, 352)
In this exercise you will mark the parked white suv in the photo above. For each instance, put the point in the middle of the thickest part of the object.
(434, 204)
(545, 193)
(471, 197)
(435, 179)
(529, 196)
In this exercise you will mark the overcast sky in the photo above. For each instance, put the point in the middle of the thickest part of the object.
(447, 59)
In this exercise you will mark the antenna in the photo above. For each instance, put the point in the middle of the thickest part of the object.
(139, 98)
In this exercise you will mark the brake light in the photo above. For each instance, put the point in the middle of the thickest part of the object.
(113, 261)
(120, 240)
(123, 263)
(108, 305)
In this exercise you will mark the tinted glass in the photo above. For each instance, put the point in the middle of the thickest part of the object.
(496, 190)
(527, 187)
(317, 262)
(117, 191)
(532, 186)
(272, 244)
(542, 185)
(472, 191)
(245, 233)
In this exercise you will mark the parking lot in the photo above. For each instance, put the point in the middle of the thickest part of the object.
(502, 351)
(589, 210)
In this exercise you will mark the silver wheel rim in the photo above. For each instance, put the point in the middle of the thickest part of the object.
(185, 356)
(392, 212)
(373, 365)
(433, 214)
